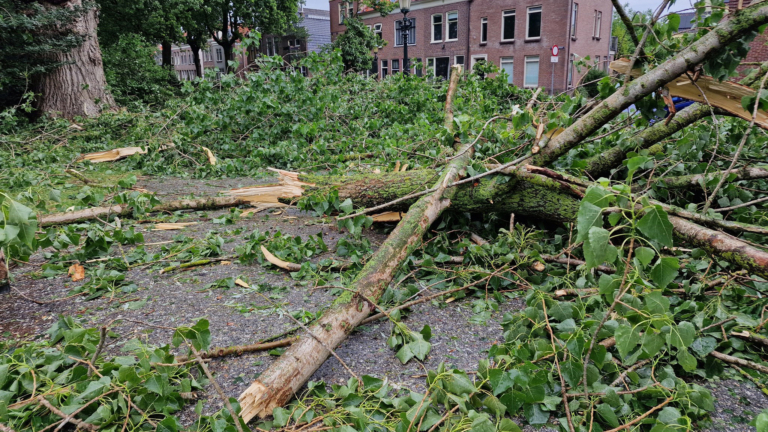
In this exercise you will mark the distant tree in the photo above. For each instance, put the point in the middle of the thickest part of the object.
(356, 45)
(158, 21)
(626, 46)
(227, 20)
(134, 76)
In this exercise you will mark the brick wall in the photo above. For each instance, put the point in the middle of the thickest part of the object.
(555, 27)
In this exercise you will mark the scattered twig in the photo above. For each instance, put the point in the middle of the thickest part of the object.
(235, 417)
(649, 412)
(102, 340)
(563, 388)
(739, 362)
(238, 350)
(194, 264)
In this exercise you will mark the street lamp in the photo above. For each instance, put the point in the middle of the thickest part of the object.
(406, 24)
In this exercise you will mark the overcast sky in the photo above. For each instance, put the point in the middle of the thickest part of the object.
(639, 5)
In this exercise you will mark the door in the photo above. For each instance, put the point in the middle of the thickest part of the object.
(441, 67)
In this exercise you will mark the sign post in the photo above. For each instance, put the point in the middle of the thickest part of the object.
(553, 59)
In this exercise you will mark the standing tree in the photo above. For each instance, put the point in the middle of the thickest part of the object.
(227, 20)
(78, 86)
(356, 44)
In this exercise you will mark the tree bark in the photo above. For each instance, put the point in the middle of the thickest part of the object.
(695, 180)
(79, 87)
(194, 45)
(167, 54)
(124, 210)
(5, 281)
(277, 385)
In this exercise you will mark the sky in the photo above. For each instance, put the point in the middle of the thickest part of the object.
(317, 4)
(640, 5)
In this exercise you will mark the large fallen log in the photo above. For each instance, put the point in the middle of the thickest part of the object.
(277, 385)
(125, 210)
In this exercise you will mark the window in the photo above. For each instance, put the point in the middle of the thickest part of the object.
(350, 11)
(533, 25)
(478, 58)
(417, 67)
(605, 64)
(570, 72)
(219, 55)
(431, 65)
(574, 18)
(377, 30)
(507, 65)
(598, 22)
(453, 26)
(437, 28)
(395, 66)
(531, 71)
(459, 60)
(483, 30)
(508, 25)
(384, 68)
(411, 33)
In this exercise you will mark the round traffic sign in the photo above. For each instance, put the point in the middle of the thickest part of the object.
(555, 50)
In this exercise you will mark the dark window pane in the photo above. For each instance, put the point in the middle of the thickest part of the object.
(438, 32)
(412, 32)
(534, 24)
(509, 27)
(453, 30)
(484, 32)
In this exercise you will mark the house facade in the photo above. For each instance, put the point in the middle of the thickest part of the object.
(211, 57)
(515, 35)
(316, 25)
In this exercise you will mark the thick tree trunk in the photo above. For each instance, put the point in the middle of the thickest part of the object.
(277, 385)
(78, 88)
(194, 45)
(167, 54)
(227, 55)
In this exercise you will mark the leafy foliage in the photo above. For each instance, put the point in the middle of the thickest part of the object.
(356, 45)
(134, 78)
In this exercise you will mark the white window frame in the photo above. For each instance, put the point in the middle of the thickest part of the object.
(399, 34)
(432, 28)
(503, 61)
(377, 30)
(428, 67)
(528, 21)
(448, 26)
(383, 68)
(569, 81)
(392, 66)
(598, 24)
(463, 65)
(504, 14)
(483, 26)
(574, 20)
(530, 59)
(475, 58)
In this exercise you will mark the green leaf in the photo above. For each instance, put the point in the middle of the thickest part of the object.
(507, 425)
(606, 412)
(535, 415)
(169, 424)
(669, 415)
(500, 381)
(645, 255)
(24, 219)
(656, 303)
(656, 226)
(665, 271)
(596, 246)
(681, 336)
(635, 163)
(589, 215)
(282, 416)
(627, 339)
(346, 207)
(405, 354)
(761, 422)
(704, 345)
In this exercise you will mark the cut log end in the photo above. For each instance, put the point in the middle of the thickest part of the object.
(259, 400)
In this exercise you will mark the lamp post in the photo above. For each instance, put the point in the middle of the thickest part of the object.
(406, 24)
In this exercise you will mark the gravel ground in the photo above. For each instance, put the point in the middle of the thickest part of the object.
(179, 299)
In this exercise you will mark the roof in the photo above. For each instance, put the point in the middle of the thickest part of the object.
(686, 20)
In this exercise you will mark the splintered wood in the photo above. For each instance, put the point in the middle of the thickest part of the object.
(724, 95)
(112, 155)
(290, 187)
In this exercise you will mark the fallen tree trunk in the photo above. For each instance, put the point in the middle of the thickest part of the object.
(687, 181)
(124, 210)
(277, 385)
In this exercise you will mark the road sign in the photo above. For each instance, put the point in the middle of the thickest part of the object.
(555, 51)
(553, 59)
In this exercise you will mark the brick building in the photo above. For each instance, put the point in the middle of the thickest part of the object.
(516, 35)
(317, 33)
